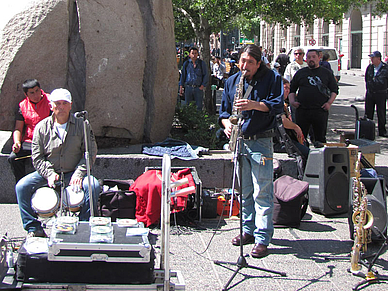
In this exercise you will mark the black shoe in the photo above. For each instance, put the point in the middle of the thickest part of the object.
(383, 134)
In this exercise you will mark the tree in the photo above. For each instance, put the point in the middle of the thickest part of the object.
(208, 16)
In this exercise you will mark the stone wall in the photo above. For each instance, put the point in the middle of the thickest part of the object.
(117, 58)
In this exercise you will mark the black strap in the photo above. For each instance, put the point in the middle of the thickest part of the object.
(291, 149)
(305, 203)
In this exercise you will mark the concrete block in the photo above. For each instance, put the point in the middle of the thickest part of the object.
(215, 170)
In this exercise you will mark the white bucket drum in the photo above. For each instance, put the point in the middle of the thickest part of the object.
(73, 199)
(45, 201)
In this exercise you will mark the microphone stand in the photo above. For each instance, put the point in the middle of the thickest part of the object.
(84, 116)
(237, 172)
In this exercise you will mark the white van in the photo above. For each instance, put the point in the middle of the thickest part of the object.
(335, 58)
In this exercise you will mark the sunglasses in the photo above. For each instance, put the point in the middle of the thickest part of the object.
(298, 53)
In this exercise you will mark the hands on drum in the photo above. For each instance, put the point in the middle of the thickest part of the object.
(52, 179)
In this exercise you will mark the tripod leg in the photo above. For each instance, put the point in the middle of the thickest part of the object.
(366, 283)
(231, 278)
(283, 274)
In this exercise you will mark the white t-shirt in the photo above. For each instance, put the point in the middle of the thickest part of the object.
(60, 129)
(292, 68)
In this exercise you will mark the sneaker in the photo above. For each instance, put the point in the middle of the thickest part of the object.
(37, 233)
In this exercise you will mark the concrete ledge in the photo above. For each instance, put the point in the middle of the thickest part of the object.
(215, 170)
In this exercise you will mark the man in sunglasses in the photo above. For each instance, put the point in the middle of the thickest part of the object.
(296, 65)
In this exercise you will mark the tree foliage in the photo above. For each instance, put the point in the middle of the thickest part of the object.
(200, 18)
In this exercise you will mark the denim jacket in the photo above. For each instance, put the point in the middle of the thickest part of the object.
(194, 76)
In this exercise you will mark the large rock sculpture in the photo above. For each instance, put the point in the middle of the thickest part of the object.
(116, 57)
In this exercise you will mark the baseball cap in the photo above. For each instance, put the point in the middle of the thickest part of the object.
(60, 94)
(375, 54)
(276, 65)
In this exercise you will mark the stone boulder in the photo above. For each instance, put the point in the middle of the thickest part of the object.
(117, 58)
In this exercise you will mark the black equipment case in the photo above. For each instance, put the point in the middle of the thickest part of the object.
(365, 128)
(120, 203)
(120, 262)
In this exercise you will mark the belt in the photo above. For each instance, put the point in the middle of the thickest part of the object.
(193, 86)
(265, 134)
(379, 92)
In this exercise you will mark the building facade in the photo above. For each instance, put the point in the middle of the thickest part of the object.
(355, 37)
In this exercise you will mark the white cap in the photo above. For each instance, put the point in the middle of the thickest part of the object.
(60, 94)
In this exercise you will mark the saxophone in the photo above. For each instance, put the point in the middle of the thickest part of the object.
(362, 219)
(236, 117)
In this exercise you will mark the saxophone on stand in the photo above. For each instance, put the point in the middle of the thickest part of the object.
(236, 117)
(362, 219)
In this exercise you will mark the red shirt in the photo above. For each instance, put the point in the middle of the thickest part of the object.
(33, 113)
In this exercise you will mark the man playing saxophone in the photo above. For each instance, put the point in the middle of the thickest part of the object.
(257, 113)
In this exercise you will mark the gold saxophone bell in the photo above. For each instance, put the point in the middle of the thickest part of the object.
(369, 218)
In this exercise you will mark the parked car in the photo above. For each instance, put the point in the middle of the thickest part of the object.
(334, 60)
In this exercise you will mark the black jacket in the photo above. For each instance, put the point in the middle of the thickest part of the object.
(283, 60)
(378, 83)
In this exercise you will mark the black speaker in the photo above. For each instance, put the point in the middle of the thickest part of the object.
(328, 172)
(377, 205)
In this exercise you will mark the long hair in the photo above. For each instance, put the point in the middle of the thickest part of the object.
(252, 50)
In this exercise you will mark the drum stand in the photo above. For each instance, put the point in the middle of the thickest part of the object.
(241, 261)
(63, 199)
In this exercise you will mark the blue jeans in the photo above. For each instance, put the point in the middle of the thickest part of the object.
(194, 94)
(257, 189)
(26, 187)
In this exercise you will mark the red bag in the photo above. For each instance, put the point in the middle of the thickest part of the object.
(148, 194)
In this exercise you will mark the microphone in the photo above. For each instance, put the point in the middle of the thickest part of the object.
(81, 114)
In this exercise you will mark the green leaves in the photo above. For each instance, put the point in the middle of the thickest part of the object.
(195, 127)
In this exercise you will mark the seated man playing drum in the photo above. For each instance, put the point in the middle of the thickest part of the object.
(58, 147)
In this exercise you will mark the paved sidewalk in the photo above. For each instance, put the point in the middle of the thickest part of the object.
(300, 253)
(353, 72)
